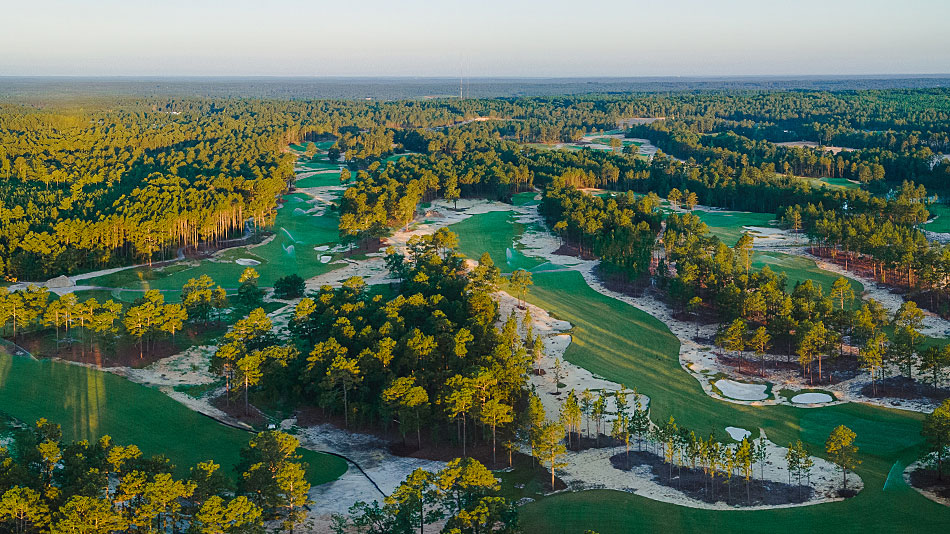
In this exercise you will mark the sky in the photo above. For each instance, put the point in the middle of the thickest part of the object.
(520, 38)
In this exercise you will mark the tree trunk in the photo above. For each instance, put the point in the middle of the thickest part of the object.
(494, 463)
(346, 410)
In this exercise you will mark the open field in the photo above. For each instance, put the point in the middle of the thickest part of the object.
(89, 404)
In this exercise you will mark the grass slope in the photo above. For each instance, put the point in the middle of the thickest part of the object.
(940, 213)
(800, 269)
(89, 404)
(494, 232)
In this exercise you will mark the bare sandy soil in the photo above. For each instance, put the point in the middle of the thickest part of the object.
(812, 144)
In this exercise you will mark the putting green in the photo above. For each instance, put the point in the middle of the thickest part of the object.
(319, 180)
(728, 225)
(90, 403)
(834, 183)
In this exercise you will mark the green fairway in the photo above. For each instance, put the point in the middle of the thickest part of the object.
(526, 198)
(319, 180)
(319, 165)
(832, 183)
(626, 345)
(800, 269)
(290, 251)
(495, 232)
(728, 225)
(940, 213)
(90, 403)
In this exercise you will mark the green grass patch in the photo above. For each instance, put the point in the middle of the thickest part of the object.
(495, 232)
(89, 403)
(290, 251)
(831, 183)
(728, 225)
(324, 179)
(798, 269)
(526, 198)
(940, 218)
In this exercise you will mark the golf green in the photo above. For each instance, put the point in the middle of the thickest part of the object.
(728, 226)
(800, 269)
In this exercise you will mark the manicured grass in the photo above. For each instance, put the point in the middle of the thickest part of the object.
(292, 229)
(90, 403)
(626, 345)
(800, 269)
(728, 225)
(494, 232)
(941, 213)
(525, 199)
(833, 183)
(319, 165)
(319, 180)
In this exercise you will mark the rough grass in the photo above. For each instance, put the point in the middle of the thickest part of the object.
(89, 404)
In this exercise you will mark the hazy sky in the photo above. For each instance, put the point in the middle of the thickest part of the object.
(485, 37)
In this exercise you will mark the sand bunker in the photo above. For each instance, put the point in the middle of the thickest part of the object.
(812, 144)
(812, 398)
(737, 433)
(741, 390)
(322, 248)
(247, 262)
(325, 259)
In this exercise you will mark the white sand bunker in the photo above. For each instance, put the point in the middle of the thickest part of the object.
(247, 262)
(737, 433)
(742, 390)
(325, 259)
(322, 248)
(765, 231)
(812, 398)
